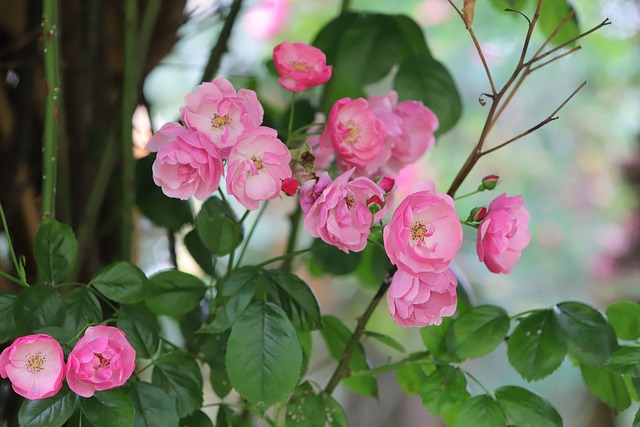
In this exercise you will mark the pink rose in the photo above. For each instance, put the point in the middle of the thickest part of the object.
(266, 18)
(417, 301)
(418, 123)
(257, 166)
(340, 215)
(187, 164)
(424, 234)
(35, 366)
(503, 234)
(300, 66)
(357, 136)
(101, 360)
(311, 189)
(216, 110)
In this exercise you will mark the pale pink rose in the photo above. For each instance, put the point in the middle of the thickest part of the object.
(340, 215)
(356, 136)
(101, 360)
(424, 234)
(187, 164)
(503, 234)
(266, 18)
(300, 66)
(311, 189)
(216, 110)
(257, 166)
(35, 366)
(417, 123)
(417, 301)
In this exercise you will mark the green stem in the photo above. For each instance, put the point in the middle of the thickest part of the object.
(213, 65)
(50, 32)
(251, 231)
(13, 279)
(342, 368)
(468, 195)
(286, 256)
(293, 236)
(129, 96)
(291, 113)
(344, 8)
(477, 381)
(19, 268)
(388, 367)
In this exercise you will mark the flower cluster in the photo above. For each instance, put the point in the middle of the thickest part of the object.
(101, 360)
(369, 140)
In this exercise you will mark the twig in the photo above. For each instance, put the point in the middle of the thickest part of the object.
(554, 32)
(213, 65)
(555, 58)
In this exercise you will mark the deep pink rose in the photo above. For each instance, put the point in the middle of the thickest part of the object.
(257, 166)
(300, 66)
(311, 189)
(35, 366)
(101, 360)
(424, 234)
(187, 164)
(216, 110)
(503, 234)
(417, 301)
(356, 136)
(340, 215)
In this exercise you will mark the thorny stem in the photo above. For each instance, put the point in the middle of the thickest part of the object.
(50, 44)
(220, 48)
(342, 370)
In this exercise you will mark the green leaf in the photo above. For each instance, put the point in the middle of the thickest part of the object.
(533, 349)
(625, 360)
(8, 327)
(443, 388)
(434, 339)
(197, 419)
(585, 332)
(263, 355)
(527, 409)
(636, 419)
(607, 386)
(327, 259)
(624, 316)
(335, 414)
(199, 252)
(336, 336)
(153, 407)
(218, 227)
(82, 308)
(122, 282)
(38, 306)
(481, 411)
(551, 14)
(234, 296)
(180, 377)
(141, 328)
(227, 418)
(295, 297)
(214, 349)
(51, 412)
(305, 408)
(509, 4)
(174, 292)
(164, 211)
(374, 264)
(411, 378)
(423, 78)
(477, 331)
(109, 408)
(386, 340)
(55, 249)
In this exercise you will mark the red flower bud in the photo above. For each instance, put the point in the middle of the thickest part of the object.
(478, 214)
(290, 186)
(387, 183)
(489, 182)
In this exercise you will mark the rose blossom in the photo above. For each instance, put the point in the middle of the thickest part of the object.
(216, 110)
(257, 166)
(356, 135)
(417, 301)
(187, 164)
(311, 189)
(503, 234)
(35, 366)
(101, 360)
(300, 66)
(340, 215)
(424, 234)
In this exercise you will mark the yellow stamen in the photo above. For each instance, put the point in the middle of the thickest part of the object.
(218, 121)
(35, 362)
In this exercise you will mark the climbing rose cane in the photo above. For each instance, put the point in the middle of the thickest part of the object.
(101, 360)
(503, 234)
(35, 366)
(300, 66)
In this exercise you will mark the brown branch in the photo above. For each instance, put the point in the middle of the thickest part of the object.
(527, 39)
(213, 65)
(562, 55)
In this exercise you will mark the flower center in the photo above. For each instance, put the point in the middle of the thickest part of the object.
(419, 230)
(258, 162)
(353, 135)
(218, 121)
(349, 200)
(104, 362)
(35, 362)
(300, 66)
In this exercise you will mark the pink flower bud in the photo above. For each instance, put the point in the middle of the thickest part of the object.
(290, 186)
(477, 214)
(489, 182)
(387, 183)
